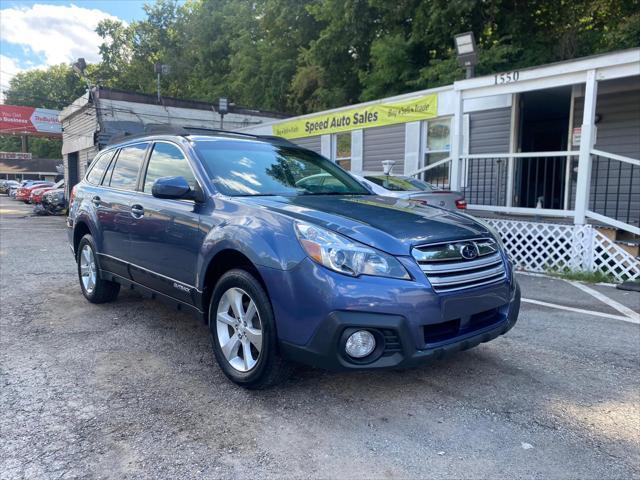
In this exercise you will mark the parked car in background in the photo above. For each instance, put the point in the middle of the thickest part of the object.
(400, 186)
(235, 228)
(5, 185)
(24, 193)
(54, 202)
(37, 193)
(13, 190)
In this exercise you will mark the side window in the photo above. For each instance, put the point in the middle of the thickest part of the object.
(167, 161)
(107, 175)
(125, 172)
(98, 166)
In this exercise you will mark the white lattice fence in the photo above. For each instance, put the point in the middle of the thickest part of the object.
(539, 247)
(609, 257)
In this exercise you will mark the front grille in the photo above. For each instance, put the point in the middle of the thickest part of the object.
(449, 330)
(455, 266)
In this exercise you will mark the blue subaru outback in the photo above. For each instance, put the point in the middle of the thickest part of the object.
(285, 256)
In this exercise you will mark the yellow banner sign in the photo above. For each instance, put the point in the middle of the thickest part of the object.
(420, 108)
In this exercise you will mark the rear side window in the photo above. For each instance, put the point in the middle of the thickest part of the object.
(125, 172)
(98, 166)
(167, 161)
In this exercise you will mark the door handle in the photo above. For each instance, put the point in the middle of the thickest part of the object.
(96, 201)
(137, 211)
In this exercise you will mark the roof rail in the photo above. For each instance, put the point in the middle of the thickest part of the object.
(184, 131)
(279, 140)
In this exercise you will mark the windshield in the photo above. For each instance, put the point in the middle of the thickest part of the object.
(254, 168)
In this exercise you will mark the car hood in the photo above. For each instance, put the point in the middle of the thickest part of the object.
(393, 225)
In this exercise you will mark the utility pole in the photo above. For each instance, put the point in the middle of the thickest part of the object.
(223, 108)
(160, 69)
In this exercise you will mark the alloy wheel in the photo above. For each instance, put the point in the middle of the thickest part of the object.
(88, 271)
(239, 329)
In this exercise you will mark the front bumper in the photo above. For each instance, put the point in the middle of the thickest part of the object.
(315, 308)
(396, 347)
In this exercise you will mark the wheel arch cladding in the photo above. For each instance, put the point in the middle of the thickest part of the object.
(81, 229)
(222, 262)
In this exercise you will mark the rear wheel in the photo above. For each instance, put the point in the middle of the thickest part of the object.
(243, 332)
(93, 287)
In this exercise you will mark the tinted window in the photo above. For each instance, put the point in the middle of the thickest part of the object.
(125, 173)
(256, 168)
(167, 161)
(98, 166)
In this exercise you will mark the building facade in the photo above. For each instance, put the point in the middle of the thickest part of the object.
(21, 166)
(555, 143)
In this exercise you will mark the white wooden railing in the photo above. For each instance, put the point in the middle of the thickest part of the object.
(489, 184)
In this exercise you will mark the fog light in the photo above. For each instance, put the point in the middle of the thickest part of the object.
(360, 344)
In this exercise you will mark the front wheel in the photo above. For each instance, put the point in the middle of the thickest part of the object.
(93, 287)
(243, 332)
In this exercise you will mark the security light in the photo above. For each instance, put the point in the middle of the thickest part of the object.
(465, 43)
(467, 53)
(387, 166)
(223, 106)
(80, 66)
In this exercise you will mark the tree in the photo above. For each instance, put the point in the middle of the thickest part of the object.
(54, 87)
(299, 56)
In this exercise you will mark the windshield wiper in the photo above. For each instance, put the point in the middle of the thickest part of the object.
(334, 193)
(258, 195)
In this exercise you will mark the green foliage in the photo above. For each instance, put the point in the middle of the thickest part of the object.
(39, 147)
(583, 275)
(54, 87)
(299, 56)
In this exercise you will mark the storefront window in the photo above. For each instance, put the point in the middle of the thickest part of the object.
(342, 149)
(437, 147)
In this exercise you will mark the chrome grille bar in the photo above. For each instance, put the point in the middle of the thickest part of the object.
(447, 271)
(461, 266)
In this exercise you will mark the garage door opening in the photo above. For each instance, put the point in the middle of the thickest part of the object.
(72, 166)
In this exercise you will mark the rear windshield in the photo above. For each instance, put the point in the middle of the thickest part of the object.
(247, 168)
(400, 184)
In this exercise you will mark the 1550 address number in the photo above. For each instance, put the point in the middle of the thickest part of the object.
(507, 77)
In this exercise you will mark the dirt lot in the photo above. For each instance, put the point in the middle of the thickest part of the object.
(130, 389)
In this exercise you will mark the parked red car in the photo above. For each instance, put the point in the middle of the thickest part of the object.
(24, 193)
(37, 193)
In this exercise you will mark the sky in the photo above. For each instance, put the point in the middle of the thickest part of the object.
(36, 34)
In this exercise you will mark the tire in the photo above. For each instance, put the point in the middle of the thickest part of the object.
(259, 368)
(94, 289)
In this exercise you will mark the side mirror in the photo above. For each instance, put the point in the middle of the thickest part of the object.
(172, 187)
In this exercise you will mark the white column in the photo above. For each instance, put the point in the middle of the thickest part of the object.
(456, 143)
(512, 148)
(325, 146)
(411, 147)
(587, 141)
(357, 164)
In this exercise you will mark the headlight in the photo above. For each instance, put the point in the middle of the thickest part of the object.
(343, 255)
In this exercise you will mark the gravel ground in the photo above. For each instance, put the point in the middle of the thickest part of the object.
(130, 390)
